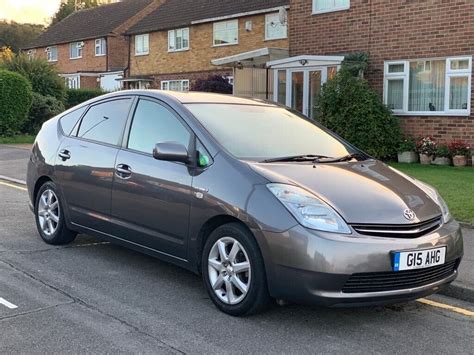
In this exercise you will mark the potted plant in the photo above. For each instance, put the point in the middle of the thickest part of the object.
(407, 151)
(459, 151)
(426, 147)
(442, 155)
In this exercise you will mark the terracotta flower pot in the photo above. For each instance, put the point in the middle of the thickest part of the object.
(407, 157)
(459, 160)
(425, 159)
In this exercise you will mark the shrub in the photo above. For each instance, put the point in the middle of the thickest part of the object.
(459, 148)
(442, 151)
(349, 107)
(407, 145)
(42, 109)
(77, 96)
(15, 102)
(426, 145)
(214, 83)
(43, 77)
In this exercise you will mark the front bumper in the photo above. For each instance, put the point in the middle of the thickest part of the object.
(313, 267)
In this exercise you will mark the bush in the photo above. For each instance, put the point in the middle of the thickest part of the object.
(15, 102)
(349, 107)
(43, 77)
(77, 96)
(214, 83)
(407, 145)
(42, 109)
(442, 151)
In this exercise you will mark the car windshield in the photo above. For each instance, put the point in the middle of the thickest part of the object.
(266, 132)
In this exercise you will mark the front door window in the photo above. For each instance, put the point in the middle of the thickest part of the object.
(297, 90)
(315, 80)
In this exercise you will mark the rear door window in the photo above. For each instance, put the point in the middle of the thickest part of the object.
(69, 120)
(153, 123)
(105, 122)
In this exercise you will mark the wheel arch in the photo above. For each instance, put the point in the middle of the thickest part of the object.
(39, 182)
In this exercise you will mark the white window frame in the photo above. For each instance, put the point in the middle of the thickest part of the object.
(332, 9)
(450, 73)
(79, 46)
(269, 19)
(172, 39)
(165, 84)
(145, 38)
(214, 33)
(101, 45)
(49, 54)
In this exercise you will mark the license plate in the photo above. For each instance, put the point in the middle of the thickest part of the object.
(418, 259)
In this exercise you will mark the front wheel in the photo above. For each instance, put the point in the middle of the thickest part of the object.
(234, 272)
(50, 219)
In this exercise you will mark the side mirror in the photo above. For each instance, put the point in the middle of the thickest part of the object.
(171, 151)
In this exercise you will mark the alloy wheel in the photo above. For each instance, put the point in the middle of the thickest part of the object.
(229, 270)
(48, 212)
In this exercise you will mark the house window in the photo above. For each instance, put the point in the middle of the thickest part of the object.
(321, 6)
(75, 50)
(429, 86)
(73, 82)
(226, 33)
(175, 85)
(31, 54)
(52, 54)
(274, 29)
(178, 40)
(100, 47)
(141, 44)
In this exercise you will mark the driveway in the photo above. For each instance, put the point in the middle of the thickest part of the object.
(13, 160)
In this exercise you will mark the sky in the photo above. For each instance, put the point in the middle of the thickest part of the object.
(28, 11)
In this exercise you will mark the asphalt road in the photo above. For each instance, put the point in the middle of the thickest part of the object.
(98, 297)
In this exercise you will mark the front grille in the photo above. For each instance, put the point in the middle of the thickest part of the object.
(398, 280)
(414, 230)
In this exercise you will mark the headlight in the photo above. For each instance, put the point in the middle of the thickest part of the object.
(436, 197)
(309, 210)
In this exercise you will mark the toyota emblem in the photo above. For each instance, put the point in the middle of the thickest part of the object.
(409, 214)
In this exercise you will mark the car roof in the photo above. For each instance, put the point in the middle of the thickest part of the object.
(198, 97)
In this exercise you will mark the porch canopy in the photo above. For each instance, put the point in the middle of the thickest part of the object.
(303, 61)
(254, 59)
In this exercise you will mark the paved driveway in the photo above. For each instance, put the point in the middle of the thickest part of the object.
(13, 161)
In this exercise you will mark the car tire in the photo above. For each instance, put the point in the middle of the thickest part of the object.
(49, 216)
(234, 290)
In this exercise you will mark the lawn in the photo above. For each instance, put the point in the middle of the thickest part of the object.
(20, 139)
(456, 185)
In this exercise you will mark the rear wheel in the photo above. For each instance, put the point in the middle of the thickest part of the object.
(234, 272)
(50, 219)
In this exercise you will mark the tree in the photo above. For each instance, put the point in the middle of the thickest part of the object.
(69, 7)
(17, 35)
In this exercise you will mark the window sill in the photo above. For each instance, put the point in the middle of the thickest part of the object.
(141, 54)
(318, 12)
(225, 45)
(100, 55)
(178, 50)
(52, 61)
(274, 39)
(433, 113)
(75, 58)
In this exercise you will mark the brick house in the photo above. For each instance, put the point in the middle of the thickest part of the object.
(88, 47)
(420, 58)
(184, 40)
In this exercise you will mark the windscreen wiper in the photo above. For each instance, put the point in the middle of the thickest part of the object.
(308, 157)
(347, 157)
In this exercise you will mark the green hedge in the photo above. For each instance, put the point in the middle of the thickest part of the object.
(42, 109)
(77, 96)
(15, 102)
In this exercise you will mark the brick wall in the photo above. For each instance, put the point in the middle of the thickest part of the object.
(391, 30)
(198, 58)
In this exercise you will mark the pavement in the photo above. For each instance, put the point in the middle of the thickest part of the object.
(92, 297)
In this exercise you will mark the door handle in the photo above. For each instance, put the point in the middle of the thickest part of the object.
(123, 171)
(65, 154)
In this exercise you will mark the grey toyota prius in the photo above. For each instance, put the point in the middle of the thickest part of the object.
(261, 201)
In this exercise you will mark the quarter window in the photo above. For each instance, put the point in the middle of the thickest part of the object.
(154, 123)
(142, 44)
(429, 86)
(68, 121)
(178, 40)
(175, 85)
(226, 33)
(52, 54)
(100, 47)
(274, 29)
(105, 122)
(75, 50)
(320, 6)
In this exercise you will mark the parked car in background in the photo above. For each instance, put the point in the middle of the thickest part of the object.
(262, 201)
